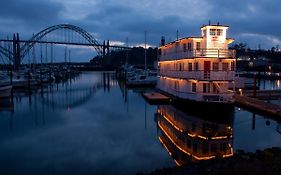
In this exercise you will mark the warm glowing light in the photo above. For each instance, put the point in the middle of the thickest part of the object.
(174, 125)
(191, 135)
(241, 92)
(167, 149)
(188, 153)
(178, 164)
(219, 137)
(202, 137)
(172, 140)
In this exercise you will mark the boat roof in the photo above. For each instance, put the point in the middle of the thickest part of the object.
(213, 25)
(191, 37)
(180, 39)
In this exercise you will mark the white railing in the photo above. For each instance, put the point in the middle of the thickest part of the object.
(199, 75)
(201, 96)
(203, 53)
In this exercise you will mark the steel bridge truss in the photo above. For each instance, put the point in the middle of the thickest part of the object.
(19, 52)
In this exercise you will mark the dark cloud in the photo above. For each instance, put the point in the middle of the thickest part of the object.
(252, 22)
(30, 11)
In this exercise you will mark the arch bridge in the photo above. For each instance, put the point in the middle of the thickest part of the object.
(65, 34)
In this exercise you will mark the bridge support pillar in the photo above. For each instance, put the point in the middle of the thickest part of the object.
(103, 49)
(107, 47)
(16, 51)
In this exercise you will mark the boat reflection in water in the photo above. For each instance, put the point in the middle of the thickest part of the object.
(192, 138)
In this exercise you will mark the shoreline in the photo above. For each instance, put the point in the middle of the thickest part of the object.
(267, 161)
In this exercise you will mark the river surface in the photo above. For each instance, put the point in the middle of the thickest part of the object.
(94, 125)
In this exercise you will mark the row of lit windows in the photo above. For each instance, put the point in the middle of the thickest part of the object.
(213, 32)
(189, 46)
(190, 66)
(217, 32)
(206, 88)
(185, 47)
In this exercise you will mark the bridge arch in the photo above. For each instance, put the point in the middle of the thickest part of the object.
(37, 37)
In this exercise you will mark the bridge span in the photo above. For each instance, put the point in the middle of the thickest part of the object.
(65, 34)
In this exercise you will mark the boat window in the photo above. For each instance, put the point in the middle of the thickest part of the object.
(204, 32)
(180, 67)
(212, 31)
(219, 32)
(196, 66)
(232, 66)
(189, 66)
(176, 85)
(189, 46)
(197, 45)
(184, 47)
(225, 66)
(206, 87)
(193, 87)
(215, 66)
(142, 77)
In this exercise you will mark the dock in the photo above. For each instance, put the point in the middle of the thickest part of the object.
(264, 94)
(257, 105)
(156, 98)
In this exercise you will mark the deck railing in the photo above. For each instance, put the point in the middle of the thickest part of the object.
(203, 53)
(203, 96)
(199, 75)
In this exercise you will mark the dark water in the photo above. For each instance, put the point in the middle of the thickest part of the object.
(93, 125)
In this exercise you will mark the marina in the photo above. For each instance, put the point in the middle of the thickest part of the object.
(144, 88)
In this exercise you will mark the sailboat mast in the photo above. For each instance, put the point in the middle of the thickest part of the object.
(145, 33)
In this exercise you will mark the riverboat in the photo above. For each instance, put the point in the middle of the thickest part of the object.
(199, 69)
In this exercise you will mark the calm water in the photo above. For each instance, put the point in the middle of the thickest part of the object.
(93, 125)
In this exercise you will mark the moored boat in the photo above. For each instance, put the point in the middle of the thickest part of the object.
(144, 78)
(5, 90)
(198, 69)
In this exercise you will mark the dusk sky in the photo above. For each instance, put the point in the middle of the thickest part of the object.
(253, 22)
